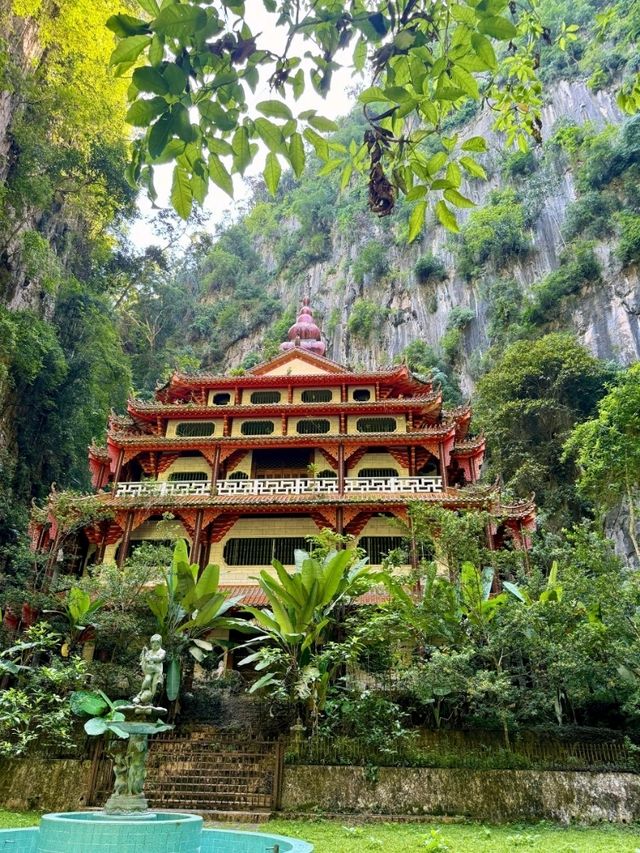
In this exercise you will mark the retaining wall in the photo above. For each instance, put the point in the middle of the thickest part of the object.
(491, 795)
(44, 784)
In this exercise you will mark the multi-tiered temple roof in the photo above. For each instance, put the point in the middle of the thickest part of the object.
(245, 467)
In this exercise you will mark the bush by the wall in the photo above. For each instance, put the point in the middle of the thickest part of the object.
(429, 268)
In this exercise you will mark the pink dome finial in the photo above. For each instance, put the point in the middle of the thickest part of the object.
(304, 334)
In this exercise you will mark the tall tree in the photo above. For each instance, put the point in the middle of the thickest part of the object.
(527, 405)
(607, 451)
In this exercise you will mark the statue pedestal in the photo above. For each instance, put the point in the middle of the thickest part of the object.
(127, 805)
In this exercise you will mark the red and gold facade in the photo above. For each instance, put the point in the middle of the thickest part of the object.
(246, 467)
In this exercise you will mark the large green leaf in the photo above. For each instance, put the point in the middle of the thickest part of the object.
(296, 154)
(241, 150)
(219, 174)
(87, 702)
(333, 574)
(142, 112)
(208, 581)
(180, 20)
(272, 173)
(125, 25)
(96, 726)
(174, 676)
(181, 194)
(147, 79)
(129, 49)
(497, 27)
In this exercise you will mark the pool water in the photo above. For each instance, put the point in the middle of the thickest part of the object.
(91, 832)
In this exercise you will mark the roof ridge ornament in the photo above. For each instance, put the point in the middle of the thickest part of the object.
(305, 334)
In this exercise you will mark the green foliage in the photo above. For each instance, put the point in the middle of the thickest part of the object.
(494, 234)
(429, 268)
(372, 262)
(422, 359)
(607, 450)
(579, 268)
(294, 652)
(34, 709)
(519, 164)
(453, 338)
(187, 606)
(202, 119)
(527, 405)
(364, 317)
(590, 216)
(628, 250)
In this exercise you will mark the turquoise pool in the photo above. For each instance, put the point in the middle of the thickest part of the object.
(81, 832)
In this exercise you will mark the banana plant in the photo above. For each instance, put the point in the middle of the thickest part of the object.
(552, 591)
(78, 612)
(187, 608)
(297, 625)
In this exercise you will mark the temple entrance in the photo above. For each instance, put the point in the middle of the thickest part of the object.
(281, 463)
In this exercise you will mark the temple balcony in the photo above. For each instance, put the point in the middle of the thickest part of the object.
(288, 486)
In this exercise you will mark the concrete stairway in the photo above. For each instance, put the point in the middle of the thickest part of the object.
(214, 776)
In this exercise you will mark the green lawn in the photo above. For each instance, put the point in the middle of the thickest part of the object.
(334, 837)
(14, 820)
(340, 837)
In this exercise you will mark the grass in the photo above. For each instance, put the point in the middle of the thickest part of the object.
(334, 837)
(16, 820)
(340, 837)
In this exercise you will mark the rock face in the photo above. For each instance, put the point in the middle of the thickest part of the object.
(605, 316)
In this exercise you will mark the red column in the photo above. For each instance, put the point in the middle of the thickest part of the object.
(124, 545)
(116, 476)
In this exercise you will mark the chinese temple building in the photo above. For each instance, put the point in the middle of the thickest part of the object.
(246, 467)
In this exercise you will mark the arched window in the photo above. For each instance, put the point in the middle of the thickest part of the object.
(326, 473)
(378, 472)
(376, 425)
(313, 427)
(361, 395)
(238, 475)
(222, 399)
(186, 476)
(317, 395)
(196, 428)
(257, 428)
(265, 396)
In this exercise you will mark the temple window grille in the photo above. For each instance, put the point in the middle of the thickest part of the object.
(266, 396)
(376, 425)
(317, 395)
(261, 552)
(378, 547)
(257, 428)
(361, 395)
(196, 428)
(222, 399)
(326, 473)
(378, 472)
(313, 427)
(187, 476)
(238, 475)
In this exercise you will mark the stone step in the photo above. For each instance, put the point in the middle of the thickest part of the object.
(190, 802)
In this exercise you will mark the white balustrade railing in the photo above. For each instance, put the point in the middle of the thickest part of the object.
(288, 486)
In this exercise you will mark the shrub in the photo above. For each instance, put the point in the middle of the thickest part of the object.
(628, 250)
(518, 164)
(495, 232)
(372, 261)
(459, 317)
(429, 268)
(590, 215)
(364, 316)
(577, 269)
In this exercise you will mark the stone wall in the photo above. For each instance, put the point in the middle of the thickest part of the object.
(492, 795)
(44, 785)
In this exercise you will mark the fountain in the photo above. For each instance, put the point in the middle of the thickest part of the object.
(126, 825)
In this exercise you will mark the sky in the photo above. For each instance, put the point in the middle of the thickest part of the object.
(218, 205)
